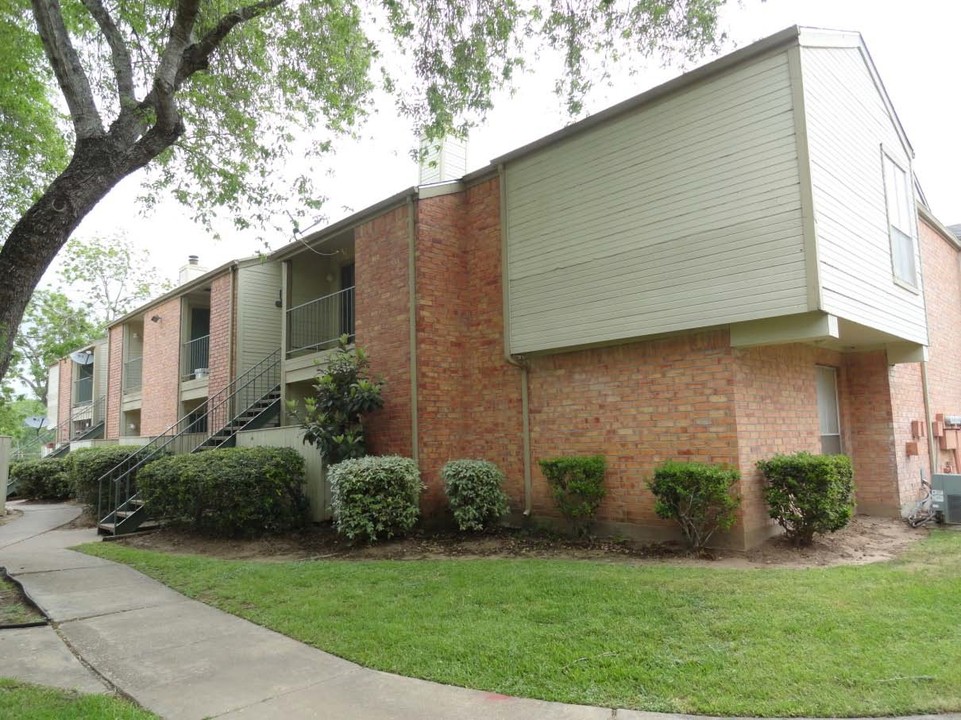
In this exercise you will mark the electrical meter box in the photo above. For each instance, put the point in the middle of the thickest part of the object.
(946, 497)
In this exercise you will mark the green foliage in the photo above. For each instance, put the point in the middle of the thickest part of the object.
(88, 465)
(698, 496)
(51, 328)
(32, 148)
(232, 492)
(13, 411)
(333, 420)
(311, 69)
(577, 485)
(47, 479)
(375, 498)
(809, 494)
(474, 492)
(112, 274)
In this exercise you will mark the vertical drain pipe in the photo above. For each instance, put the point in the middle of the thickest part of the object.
(516, 362)
(412, 309)
(929, 429)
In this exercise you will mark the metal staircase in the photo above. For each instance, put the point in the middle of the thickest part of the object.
(94, 412)
(249, 402)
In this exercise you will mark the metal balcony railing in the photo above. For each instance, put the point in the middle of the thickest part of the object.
(195, 359)
(83, 391)
(133, 375)
(317, 325)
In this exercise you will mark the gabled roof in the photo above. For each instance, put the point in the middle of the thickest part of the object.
(187, 287)
(792, 36)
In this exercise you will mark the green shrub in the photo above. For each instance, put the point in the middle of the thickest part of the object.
(809, 494)
(696, 495)
(231, 492)
(474, 492)
(375, 498)
(88, 465)
(47, 479)
(577, 485)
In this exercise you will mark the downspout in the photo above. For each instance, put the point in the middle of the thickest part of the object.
(929, 427)
(519, 362)
(412, 309)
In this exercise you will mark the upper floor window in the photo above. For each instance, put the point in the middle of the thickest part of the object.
(901, 221)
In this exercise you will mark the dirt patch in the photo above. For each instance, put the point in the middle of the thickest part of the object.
(85, 520)
(865, 540)
(11, 514)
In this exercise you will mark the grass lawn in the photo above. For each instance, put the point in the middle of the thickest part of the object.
(870, 640)
(14, 610)
(31, 702)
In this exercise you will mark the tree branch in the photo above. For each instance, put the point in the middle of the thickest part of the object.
(197, 56)
(66, 66)
(164, 84)
(122, 67)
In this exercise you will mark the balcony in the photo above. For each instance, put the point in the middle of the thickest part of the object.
(132, 375)
(195, 359)
(83, 391)
(317, 325)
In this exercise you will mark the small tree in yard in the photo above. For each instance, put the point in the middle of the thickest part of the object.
(698, 496)
(333, 420)
(809, 494)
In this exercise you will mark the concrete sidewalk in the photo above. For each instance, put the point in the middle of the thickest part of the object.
(183, 659)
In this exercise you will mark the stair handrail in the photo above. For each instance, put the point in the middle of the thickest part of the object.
(199, 417)
(66, 426)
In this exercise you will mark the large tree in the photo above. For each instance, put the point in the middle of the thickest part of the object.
(218, 95)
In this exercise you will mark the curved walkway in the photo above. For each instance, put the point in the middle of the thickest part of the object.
(183, 659)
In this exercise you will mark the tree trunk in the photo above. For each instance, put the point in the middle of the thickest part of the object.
(97, 165)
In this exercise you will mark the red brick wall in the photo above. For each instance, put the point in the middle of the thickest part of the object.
(114, 380)
(491, 397)
(221, 333)
(776, 389)
(638, 405)
(383, 325)
(942, 296)
(64, 399)
(871, 430)
(161, 368)
(443, 339)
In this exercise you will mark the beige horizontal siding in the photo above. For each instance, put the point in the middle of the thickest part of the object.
(682, 214)
(848, 123)
(258, 318)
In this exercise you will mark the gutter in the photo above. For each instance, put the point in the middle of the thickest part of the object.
(519, 362)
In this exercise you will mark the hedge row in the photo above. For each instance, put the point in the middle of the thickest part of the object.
(232, 492)
(76, 474)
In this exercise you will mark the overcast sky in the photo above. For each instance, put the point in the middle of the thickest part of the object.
(914, 46)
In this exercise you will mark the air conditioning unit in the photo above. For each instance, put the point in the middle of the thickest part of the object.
(946, 497)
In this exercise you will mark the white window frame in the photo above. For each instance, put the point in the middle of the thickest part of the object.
(818, 370)
(902, 220)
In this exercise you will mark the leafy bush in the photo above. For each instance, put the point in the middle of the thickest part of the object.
(809, 494)
(231, 492)
(47, 479)
(474, 492)
(375, 498)
(333, 420)
(698, 496)
(577, 485)
(88, 465)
